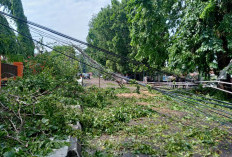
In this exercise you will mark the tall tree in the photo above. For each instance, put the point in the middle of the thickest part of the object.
(110, 30)
(193, 35)
(25, 46)
(203, 38)
(8, 43)
(149, 29)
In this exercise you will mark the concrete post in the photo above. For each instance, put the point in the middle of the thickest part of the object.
(99, 80)
(74, 150)
(0, 72)
(19, 68)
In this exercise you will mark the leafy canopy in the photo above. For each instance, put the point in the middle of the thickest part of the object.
(10, 42)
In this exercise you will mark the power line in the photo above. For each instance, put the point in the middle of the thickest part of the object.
(225, 106)
(227, 103)
(67, 37)
(125, 59)
(46, 45)
(113, 74)
(42, 33)
(30, 38)
(197, 109)
(182, 98)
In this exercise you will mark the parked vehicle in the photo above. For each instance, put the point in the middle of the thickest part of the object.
(86, 76)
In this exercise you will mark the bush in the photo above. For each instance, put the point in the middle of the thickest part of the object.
(36, 111)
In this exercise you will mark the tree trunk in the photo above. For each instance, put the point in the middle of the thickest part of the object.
(223, 58)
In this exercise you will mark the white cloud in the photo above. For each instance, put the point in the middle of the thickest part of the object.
(70, 17)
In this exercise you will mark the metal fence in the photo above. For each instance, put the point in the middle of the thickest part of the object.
(8, 70)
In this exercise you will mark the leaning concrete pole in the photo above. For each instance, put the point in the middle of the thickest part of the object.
(88, 57)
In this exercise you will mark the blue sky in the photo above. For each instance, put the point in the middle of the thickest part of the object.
(70, 17)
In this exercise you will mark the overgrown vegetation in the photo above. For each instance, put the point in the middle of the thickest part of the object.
(151, 124)
(10, 43)
(110, 30)
(33, 111)
(36, 111)
(180, 35)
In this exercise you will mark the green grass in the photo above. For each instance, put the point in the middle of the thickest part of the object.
(122, 90)
(111, 84)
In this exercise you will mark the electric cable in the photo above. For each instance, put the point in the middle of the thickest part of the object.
(200, 111)
(230, 107)
(126, 59)
(30, 38)
(215, 109)
(220, 101)
(42, 33)
(67, 37)
(75, 58)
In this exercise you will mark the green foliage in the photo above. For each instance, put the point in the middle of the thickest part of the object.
(159, 127)
(149, 30)
(33, 111)
(203, 37)
(14, 58)
(149, 88)
(61, 65)
(96, 97)
(138, 89)
(10, 43)
(109, 29)
(133, 81)
(213, 93)
(122, 90)
(208, 9)
(36, 111)
(111, 118)
(181, 36)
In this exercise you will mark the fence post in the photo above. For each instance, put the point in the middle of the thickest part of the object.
(99, 80)
(0, 73)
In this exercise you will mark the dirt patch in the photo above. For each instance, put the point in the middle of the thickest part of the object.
(103, 83)
(169, 112)
(224, 148)
(143, 103)
(147, 121)
(143, 94)
(165, 111)
(149, 94)
(131, 95)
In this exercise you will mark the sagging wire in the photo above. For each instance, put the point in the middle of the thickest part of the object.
(199, 104)
(77, 59)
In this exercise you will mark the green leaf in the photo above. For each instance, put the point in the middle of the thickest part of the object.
(9, 154)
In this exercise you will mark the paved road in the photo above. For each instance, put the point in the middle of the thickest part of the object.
(103, 83)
